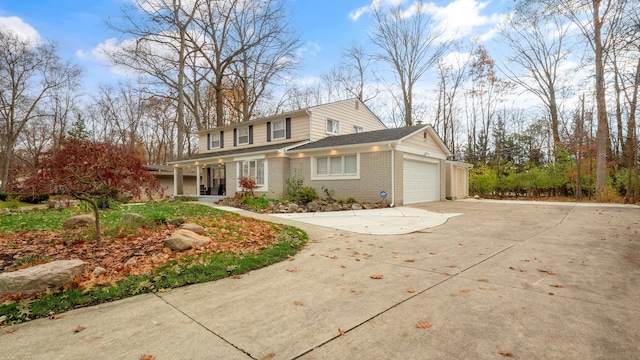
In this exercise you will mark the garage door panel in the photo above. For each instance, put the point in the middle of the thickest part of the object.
(421, 182)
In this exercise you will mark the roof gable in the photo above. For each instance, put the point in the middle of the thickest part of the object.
(367, 137)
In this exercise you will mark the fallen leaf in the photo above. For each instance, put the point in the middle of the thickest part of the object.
(410, 260)
(341, 331)
(147, 357)
(445, 274)
(377, 276)
(451, 266)
(11, 330)
(56, 316)
(551, 294)
(460, 246)
(79, 328)
(342, 266)
(293, 270)
(411, 291)
(511, 268)
(547, 271)
(298, 303)
(463, 290)
(523, 270)
(396, 256)
(333, 257)
(556, 285)
(506, 353)
(423, 325)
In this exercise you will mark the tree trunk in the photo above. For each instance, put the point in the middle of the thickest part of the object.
(96, 213)
(602, 133)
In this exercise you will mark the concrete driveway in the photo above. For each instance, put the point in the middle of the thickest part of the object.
(534, 281)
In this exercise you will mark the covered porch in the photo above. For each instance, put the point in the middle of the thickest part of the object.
(210, 180)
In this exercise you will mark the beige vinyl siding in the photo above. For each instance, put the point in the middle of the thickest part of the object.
(299, 132)
(347, 114)
(430, 144)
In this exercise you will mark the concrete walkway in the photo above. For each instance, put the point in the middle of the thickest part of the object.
(533, 281)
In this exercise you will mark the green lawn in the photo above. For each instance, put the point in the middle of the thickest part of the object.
(174, 273)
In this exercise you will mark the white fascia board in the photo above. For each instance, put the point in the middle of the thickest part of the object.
(420, 152)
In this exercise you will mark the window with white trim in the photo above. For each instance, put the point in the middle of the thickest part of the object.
(357, 129)
(215, 140)
(278, 130)
(333, 127)
(343, 166)
(242, 136)
(253, 169)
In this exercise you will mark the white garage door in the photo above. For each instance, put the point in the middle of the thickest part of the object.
(421, 182)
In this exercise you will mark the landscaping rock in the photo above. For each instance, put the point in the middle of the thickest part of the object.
(313, 206)
(79, 221)
(132, 220)
(177, 221)
(356, 207)
(193, 227)
(131, 262)
(39, 278)
(332, 207)
(292, 208)
(182, 239)
(99, 271)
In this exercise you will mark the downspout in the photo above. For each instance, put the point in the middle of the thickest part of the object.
(393, 175)
(310, 123)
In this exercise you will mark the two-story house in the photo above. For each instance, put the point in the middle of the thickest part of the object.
(342, 147)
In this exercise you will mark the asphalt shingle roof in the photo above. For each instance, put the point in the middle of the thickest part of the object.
(362, 138)
(232, 152)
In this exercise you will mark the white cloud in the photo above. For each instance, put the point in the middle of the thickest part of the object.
(20, 28)
(310, 48)
(458, 18)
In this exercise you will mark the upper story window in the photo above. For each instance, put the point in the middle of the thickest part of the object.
(215, 140)
(242, 136)
(333, 127)
(278, 130)
(357, 129)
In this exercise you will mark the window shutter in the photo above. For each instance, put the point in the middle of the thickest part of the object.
(287, 126)
(268, 131)
(221, 139)
(208, 141)
(250, 134)
(235, 137)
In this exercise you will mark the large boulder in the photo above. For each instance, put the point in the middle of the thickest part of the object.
(132, 220)
(39, 278)
(79, 221)
(193, 227)
(182, 239)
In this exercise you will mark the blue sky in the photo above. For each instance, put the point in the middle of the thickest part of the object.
(327, 27)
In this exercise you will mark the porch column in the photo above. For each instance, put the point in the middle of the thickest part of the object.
(177, 181)
(198, 180)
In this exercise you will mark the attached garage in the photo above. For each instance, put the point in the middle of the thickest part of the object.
(420, 181)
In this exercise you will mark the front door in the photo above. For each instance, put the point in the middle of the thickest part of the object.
(219, 180)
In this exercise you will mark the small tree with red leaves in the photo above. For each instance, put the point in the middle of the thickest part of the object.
(86, 170)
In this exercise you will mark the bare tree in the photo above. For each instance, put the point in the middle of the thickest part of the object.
(410, 45)
(252, 38)
(539, 48)
(452, 72)
(161, 48)
(29, 74)
(487, 91)
(596, 20)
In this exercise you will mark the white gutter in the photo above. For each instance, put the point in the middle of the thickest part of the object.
(393, 176)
